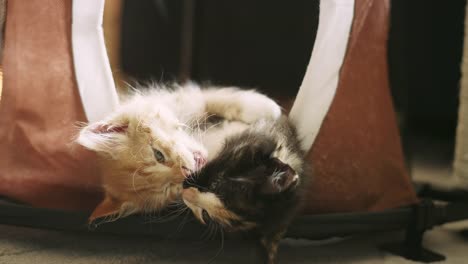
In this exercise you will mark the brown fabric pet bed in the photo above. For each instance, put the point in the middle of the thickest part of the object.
(360, 182)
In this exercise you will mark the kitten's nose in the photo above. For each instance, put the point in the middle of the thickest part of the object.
(200, 160)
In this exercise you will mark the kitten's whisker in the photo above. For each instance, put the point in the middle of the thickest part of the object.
(185, 126)
(198, 128)
(133, 183)
(211, 127)
(183, 222)
(140, 149)
(212, 231)
(132, 88)
(215, 230)
(176, 205)
(205, 232)
(221, 248)
(167, 217)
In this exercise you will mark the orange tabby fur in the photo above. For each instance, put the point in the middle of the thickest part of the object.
(166, 121)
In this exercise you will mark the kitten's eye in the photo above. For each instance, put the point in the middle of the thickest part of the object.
(159, 156)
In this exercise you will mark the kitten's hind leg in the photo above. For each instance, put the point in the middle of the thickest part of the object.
(240, 105)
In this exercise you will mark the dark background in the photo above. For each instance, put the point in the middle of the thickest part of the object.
(247, 43)
(267, 45)
(425, 52)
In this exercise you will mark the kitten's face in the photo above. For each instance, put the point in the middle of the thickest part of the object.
(146, 155)
(242, 187)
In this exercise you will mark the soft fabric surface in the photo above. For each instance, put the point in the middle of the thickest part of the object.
(40, 109)
(357, 157)
(323, 72)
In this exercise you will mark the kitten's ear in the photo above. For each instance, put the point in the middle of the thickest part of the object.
(109, 206)
(101, 136)
(282, 178)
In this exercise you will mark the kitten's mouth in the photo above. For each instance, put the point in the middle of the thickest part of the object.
(200, 160)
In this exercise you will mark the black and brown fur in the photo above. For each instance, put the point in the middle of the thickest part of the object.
(237, 189)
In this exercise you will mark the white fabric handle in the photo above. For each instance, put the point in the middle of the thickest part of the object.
(92, 68)
(321, 79)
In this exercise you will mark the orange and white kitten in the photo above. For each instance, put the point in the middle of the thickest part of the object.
(151, 142)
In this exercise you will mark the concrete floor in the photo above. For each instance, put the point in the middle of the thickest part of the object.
(28, 246)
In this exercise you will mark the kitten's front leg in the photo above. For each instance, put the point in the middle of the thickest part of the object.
(269, 246)
(241, 105)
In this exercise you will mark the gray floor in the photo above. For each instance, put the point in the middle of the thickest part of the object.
(24, 245)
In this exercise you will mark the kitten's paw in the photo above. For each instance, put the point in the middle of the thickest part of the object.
(255, 106)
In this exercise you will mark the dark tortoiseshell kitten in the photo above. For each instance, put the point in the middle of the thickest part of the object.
(255, 183)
